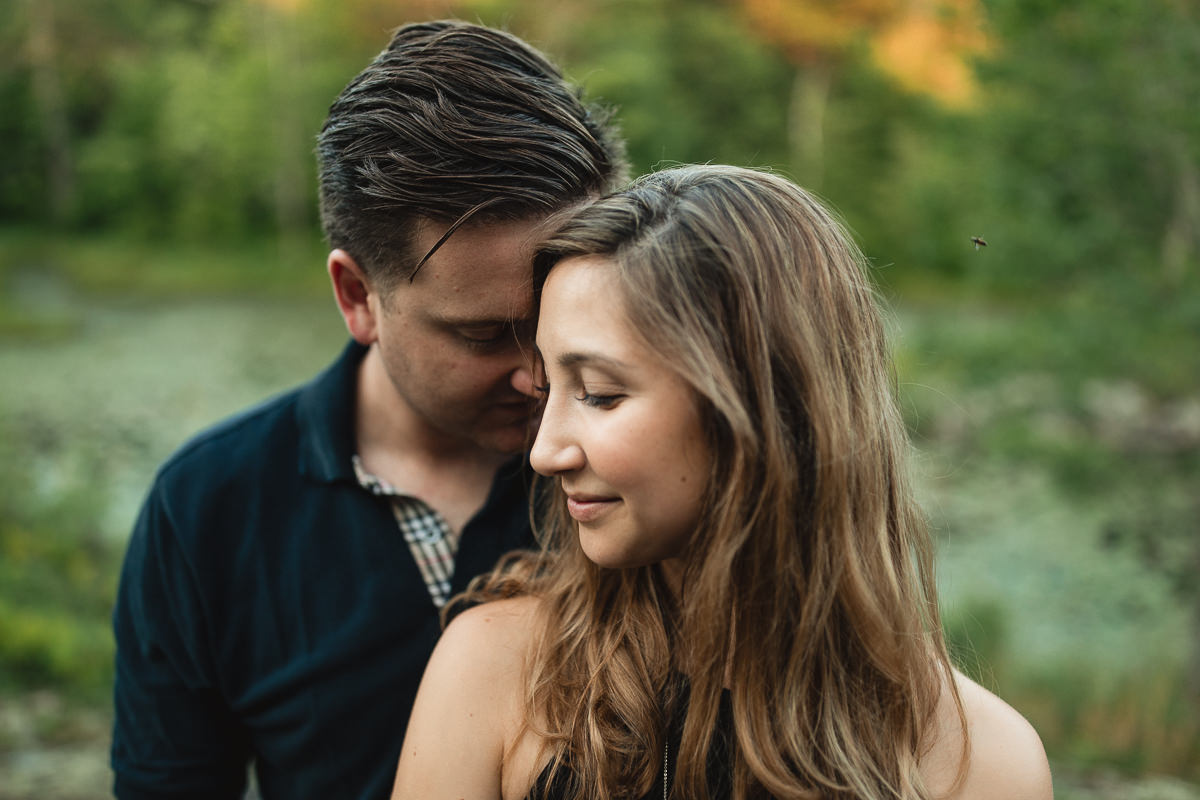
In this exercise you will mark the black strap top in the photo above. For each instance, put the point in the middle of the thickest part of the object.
(719, 759)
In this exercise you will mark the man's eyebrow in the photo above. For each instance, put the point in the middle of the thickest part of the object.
(476, 322)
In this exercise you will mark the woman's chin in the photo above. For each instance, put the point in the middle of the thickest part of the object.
(615, 558)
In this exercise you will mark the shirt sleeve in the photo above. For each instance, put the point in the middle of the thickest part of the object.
(174, 735)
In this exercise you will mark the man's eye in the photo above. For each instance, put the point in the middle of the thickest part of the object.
(483, 337)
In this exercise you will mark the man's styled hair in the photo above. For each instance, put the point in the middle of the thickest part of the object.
(451, 122)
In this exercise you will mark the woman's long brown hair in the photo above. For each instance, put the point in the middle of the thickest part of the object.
(808, 588)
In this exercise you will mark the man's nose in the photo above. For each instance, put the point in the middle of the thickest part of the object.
(522, 379)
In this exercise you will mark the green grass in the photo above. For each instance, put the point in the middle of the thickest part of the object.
(1089, 716)
(57, 582)
(120, 265)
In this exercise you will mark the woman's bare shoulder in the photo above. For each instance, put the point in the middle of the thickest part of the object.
(495, 620)
(471, 693)
(1007, 760)
(488, 638)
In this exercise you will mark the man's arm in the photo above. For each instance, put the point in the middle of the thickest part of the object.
(173, 734)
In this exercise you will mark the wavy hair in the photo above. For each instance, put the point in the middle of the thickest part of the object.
(808, 586)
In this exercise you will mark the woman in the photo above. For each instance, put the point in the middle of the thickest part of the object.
(736, 597)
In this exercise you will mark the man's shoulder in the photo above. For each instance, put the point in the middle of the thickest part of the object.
(246, 439)
(309, 424)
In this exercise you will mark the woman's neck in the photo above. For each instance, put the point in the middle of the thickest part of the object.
(672, 571)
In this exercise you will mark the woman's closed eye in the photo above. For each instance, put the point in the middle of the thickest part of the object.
(583, 396)
(598, 400)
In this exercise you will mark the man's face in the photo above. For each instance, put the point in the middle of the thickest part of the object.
(456, 342)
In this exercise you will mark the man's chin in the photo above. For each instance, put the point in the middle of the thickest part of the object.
(509, 440)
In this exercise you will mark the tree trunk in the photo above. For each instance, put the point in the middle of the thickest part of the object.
(806, 123)
(292, 196)
(1194, 662)
(51, 109)
(1181, 239)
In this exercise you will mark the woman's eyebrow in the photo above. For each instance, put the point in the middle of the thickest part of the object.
(574, 359)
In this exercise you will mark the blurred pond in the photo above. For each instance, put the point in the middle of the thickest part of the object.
(124, 384)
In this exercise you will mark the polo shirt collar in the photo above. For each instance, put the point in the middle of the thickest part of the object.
(325, 414)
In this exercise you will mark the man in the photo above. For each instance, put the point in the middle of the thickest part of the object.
(281, 590)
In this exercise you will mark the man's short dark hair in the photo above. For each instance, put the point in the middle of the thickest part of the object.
(450, 120)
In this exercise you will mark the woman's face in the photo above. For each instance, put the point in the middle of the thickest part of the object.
(621, 430)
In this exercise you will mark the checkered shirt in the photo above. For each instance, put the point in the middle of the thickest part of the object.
(432, 542)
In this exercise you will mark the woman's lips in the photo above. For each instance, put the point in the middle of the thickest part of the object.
(588, 509)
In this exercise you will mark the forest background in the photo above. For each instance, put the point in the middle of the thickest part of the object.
(161, 266)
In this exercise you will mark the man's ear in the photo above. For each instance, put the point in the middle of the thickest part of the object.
(352, 290)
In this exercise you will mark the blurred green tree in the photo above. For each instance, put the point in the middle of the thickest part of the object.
(689, 79)
(1094, 138)
(922, 45)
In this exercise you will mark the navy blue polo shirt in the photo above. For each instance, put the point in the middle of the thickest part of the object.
(270, 609)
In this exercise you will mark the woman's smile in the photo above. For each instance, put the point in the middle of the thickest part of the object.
(589, 508)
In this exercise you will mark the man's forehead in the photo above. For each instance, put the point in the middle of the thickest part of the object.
(476, 303)
(482, 272)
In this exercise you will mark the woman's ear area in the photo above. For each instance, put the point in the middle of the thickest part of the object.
(352, 291)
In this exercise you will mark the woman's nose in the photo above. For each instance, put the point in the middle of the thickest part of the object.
(555, 450)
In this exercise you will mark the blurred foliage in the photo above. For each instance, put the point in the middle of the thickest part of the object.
(159, 148)
(977, 637)
(57, 578)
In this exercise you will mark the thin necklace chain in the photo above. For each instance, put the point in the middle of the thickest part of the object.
(665, 746)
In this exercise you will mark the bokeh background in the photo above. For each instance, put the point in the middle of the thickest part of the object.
(161, 266)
